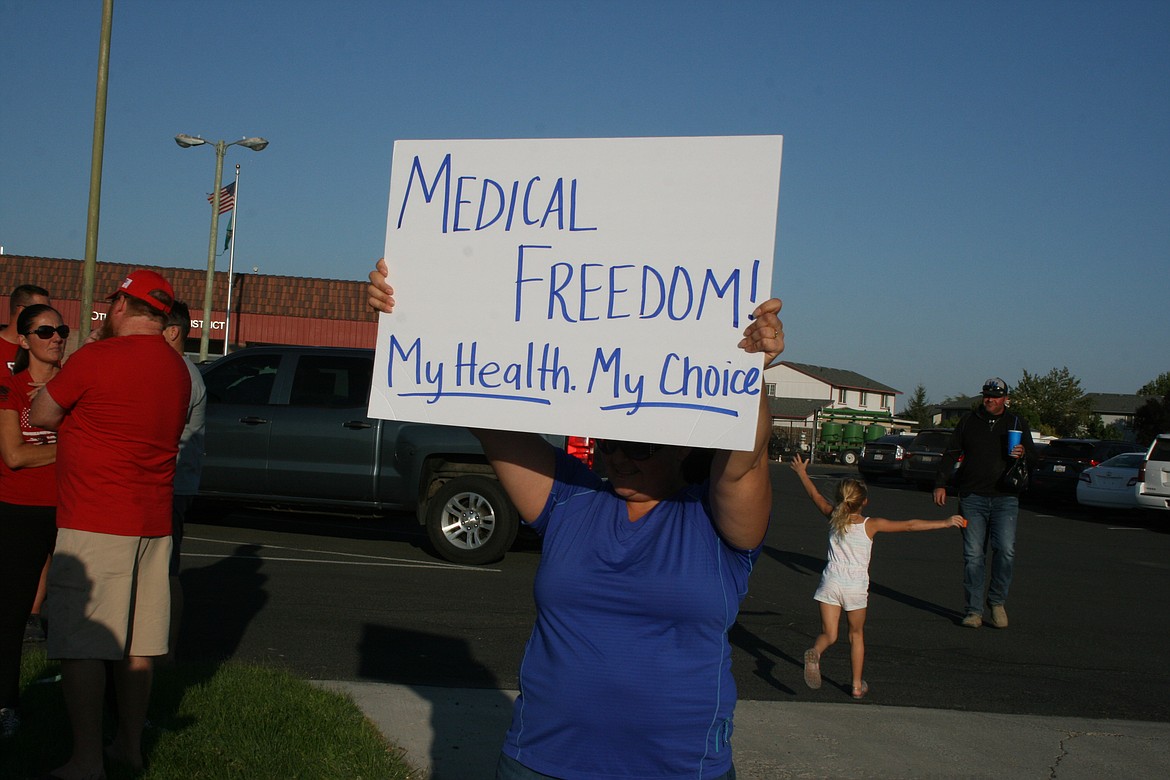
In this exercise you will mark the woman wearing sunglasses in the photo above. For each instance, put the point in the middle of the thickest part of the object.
(28, 492)
(627, 672)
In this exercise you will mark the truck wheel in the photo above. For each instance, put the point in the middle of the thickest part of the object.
(849, 458)
(470, 520)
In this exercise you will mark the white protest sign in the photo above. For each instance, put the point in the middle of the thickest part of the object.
(593, 287)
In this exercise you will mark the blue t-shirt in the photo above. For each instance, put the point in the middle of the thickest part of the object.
(628, 670)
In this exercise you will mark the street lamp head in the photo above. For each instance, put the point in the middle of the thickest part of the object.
(255, 144)
(187, 141)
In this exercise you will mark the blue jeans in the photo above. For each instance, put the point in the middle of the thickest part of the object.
(509, 768)
(991, 521)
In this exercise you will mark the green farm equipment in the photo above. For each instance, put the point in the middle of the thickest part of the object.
(841, 433)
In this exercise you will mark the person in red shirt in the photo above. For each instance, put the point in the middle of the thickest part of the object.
(118, 406)
(28, 492)
(22, 296)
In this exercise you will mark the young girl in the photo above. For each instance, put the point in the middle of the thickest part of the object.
(845, 582)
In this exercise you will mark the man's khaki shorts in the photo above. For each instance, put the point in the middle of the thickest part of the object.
(109, 596)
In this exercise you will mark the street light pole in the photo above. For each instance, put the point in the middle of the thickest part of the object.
(186, 141)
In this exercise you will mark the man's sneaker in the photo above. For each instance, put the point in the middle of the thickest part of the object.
(9, 722)
(34, 629)
(973, 620)
(998, 616)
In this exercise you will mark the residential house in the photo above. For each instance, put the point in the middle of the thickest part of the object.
(1118, 408)
(800, 394)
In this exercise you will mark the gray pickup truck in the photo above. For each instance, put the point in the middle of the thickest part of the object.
(287, 426)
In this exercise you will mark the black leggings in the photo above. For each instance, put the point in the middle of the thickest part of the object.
(27, 536)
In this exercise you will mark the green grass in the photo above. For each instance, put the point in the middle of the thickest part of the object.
(215, 721)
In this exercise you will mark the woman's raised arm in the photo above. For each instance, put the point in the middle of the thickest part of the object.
(741, 486)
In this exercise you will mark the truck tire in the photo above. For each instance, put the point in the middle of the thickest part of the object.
(849, 458)
(470, 520)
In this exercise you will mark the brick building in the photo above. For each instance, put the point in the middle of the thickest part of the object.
(264, 309)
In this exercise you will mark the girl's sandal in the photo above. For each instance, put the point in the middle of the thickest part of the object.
(812, 668)
(859, 691)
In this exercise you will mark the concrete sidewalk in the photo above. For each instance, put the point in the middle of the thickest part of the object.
(455, 734)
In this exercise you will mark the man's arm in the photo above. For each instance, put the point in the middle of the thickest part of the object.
(946, 463)
(45, 412)
(1026, 440)
(196, 409)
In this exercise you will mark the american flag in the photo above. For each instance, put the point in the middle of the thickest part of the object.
(227, 198)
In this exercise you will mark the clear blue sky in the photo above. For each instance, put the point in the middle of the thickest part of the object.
(968, 189)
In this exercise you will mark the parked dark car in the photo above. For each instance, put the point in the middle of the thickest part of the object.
(883, 457)
(780, 448)
(287, 426)
(923, 455)
(1060, 465)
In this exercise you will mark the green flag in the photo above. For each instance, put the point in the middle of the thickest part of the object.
(228, 239)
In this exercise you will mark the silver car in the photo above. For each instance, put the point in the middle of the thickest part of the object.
(1112, 484)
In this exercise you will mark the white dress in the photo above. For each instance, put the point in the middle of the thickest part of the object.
(845, 581)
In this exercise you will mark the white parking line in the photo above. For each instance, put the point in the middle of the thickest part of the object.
(370, 560)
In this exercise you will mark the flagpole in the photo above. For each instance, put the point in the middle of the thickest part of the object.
(227, 313)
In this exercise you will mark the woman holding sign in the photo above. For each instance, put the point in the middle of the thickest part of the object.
(627, 672)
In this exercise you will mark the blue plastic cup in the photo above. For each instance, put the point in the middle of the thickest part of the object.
(1013, 440)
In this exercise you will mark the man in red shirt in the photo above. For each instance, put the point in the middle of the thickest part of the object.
(22, 297)
(119, 406)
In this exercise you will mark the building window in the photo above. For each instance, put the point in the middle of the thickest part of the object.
(841, 394)
(864, 398)
(770, 389)
(885, 401)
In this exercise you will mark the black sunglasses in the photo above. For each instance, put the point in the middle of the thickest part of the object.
(47, 331)
(634, 450)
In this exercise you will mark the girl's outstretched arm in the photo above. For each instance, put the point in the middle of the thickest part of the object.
(882, 525)
(800, 466)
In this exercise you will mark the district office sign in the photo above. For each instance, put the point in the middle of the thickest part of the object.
(593, 287)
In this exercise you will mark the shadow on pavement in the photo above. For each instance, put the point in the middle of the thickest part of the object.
(763, 652)
(813, 565)
(220, 601)
(466, 727)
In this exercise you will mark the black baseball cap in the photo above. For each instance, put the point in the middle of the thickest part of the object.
(995, 388)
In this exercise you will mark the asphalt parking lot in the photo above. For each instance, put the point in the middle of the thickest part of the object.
(364, 600)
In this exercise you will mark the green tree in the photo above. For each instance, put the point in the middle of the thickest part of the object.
(1152, 418)
(1116, 430)
(918, 408)
(1158, 387)
(1053, 404)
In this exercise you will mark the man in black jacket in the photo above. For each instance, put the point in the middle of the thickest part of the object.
(991, 508)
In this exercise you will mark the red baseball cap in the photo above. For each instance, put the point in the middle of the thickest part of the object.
(139, 284)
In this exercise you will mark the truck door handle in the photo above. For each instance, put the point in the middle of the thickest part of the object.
(356, 425)
(254, 421)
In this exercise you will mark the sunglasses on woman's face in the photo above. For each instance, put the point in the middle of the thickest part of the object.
(634, 450)
(47, 331)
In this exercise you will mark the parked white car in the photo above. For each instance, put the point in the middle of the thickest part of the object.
(1154, 478)
(1112, 484)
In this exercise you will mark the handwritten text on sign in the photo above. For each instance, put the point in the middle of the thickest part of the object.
(593, 287)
